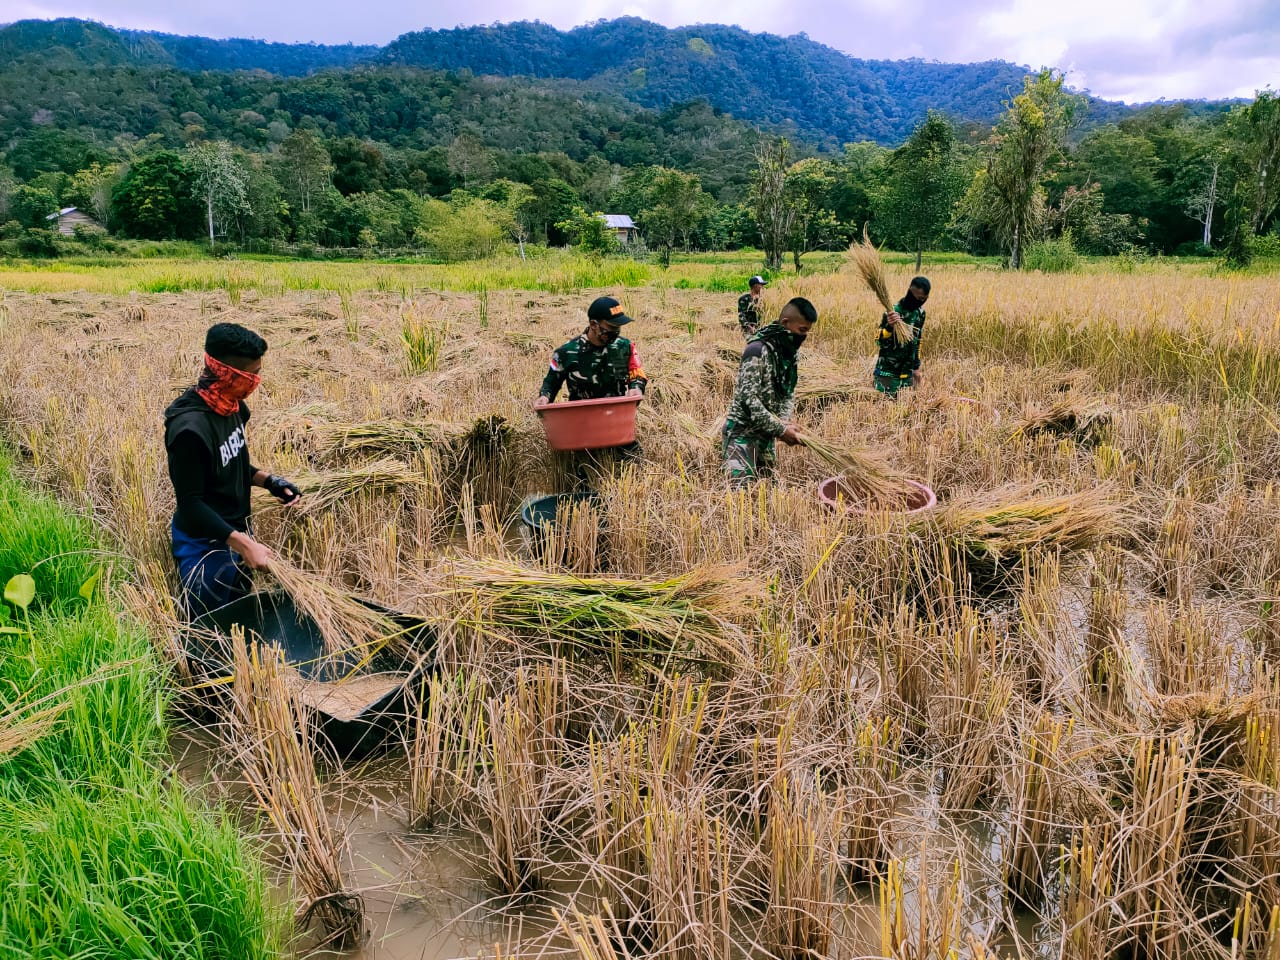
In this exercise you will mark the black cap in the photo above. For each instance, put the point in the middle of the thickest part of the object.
(607, 308)
(758, 279)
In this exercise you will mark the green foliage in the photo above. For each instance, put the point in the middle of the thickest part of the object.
(99, 857)
(423, 340)
(31, 206)
(590, 232)
(1011, 198)
(154, 200)
(926, 180)
(1053, 255)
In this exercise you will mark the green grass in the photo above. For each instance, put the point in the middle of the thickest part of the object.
(100, 855)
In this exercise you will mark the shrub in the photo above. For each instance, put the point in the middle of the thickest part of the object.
(36, 242)
(1053, 256)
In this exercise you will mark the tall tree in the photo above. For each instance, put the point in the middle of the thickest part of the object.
(808, 190)
(1253, 139)
(926, 178)
(674, 209)
(90, 189)
(154, 199)
(219, 182)
(305, 168)
(1028, 136)
(470, 160)
(772, 207)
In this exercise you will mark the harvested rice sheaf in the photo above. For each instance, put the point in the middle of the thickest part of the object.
(866, 259)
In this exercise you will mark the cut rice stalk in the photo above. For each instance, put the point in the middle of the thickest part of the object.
(344, 622)
(866, 259)
(867, 478)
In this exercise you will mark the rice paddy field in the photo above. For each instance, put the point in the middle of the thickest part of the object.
(1041, 719)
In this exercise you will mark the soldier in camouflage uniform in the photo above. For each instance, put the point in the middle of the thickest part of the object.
(749, 307)
(898, 365)
(597, 363)
(764, 394)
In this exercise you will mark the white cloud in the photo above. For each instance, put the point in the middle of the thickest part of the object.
(1121, 49)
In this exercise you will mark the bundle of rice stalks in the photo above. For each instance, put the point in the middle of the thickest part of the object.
(864, 477)
(325, 490)
(688, 615)
(344, 622)
(998, 527)
(866, 259)
(1071, 416)
(383, 436)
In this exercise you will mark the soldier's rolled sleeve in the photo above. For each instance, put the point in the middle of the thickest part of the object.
(554, 379)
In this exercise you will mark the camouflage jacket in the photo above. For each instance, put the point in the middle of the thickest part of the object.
(748, 314)
(898, 358)
(764, 394)
(592, 372)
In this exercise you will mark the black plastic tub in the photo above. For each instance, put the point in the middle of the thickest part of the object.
(538, 515)
(355, 700)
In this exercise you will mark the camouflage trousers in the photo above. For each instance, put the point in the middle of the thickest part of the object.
(747, 456)
(886, 381)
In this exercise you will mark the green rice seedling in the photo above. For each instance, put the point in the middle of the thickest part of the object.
(270, 732)
(350, 318)
(423, 342)
(482, 307)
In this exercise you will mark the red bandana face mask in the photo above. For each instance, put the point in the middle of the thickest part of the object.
(223, 386)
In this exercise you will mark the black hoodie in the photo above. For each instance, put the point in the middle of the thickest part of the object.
(209, 466)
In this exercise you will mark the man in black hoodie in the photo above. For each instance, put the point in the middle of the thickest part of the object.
(211, 473)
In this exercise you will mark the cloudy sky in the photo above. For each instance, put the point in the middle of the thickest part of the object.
(1130, 50)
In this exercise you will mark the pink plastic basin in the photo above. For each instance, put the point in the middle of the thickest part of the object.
(589, 424)
(829, 492)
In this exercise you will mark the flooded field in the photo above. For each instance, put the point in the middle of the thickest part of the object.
(1041, 719)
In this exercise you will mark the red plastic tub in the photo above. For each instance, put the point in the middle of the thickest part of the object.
(922, 499)
(590, 424)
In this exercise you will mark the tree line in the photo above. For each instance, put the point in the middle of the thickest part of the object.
(1166, 179)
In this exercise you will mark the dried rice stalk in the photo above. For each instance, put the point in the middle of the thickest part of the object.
(344, 622)
(1071, 416)
(866, 259)
(692, 613)
(1003, 524)
(270, 731)
(869, 479)
(327, 489)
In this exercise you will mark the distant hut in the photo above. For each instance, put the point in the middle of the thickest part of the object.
(623, 226)
(68, 217)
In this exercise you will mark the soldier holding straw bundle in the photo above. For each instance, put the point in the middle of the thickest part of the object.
(211, 473)
(764, 394)
(898, 364)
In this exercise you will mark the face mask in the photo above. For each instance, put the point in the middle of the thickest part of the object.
(223, 386)
(910, 301)
(797, 338)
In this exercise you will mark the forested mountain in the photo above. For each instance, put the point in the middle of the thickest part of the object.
(767, 81)
(83, 43)
(451, 140)
(759, 77)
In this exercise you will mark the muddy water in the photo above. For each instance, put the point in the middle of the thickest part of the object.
(427, 898)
